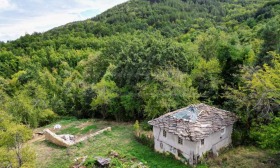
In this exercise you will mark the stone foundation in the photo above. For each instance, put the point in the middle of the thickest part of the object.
(69, 140)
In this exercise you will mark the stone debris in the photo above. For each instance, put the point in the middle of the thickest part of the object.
(67, 140)
(139, 165)
(68, 137)
(79, 162)
(103, 162)
(61, 140)
(57, 127)
(114, 154)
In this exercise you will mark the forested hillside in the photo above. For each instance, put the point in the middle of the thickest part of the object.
(144, 58)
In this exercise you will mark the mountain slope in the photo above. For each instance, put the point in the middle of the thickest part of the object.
(144, 58)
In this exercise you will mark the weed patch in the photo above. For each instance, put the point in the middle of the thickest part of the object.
(88, 128)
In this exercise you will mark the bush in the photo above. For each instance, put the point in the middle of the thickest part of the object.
(90, 162)
(268, 136)
(142, 136)
(145, 126)
(145, 140)
(136, 126)
(237, 137)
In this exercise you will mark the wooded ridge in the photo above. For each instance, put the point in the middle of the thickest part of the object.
(145, 58)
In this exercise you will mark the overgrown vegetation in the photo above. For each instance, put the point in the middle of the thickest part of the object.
(268, 136)
(144, 58)
(144, 137)
(245, 157)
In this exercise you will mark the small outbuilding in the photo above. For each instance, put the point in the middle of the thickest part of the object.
(192, 131)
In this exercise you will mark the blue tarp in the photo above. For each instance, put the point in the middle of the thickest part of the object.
(189, 114)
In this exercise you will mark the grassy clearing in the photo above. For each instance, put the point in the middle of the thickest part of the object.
(121, 140)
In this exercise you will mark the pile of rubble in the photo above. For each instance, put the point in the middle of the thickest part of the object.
(61, 140)
(106, 162)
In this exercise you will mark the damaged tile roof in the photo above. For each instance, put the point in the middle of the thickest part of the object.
(195, 122)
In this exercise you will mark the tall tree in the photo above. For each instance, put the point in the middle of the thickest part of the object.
(271, 35)
(13, 153)
(106, 90)
(169, 90)
(257, 99)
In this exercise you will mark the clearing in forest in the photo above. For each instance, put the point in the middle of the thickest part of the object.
(121, 139)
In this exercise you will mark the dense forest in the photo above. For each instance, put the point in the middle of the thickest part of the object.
(142, 59)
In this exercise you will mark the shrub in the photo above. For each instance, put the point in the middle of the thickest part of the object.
(268, 136)
(90, 162)
(145, 126)
(145, 140)
(136, 126)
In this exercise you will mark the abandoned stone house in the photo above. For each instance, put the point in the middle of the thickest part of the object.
(192, 131)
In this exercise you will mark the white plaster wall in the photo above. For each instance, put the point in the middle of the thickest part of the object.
(218, 139)
(170, 143)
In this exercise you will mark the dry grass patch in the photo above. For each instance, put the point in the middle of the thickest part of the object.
(245, 157)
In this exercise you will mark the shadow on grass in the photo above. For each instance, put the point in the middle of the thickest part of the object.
(52, 145)
(274, 160)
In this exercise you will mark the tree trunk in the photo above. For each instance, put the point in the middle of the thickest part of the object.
(18, 150)
(104, 112)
